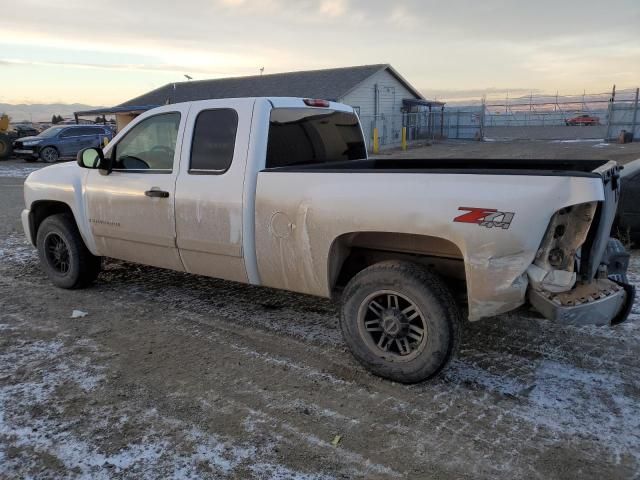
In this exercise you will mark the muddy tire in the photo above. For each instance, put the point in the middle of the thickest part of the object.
(63, 255)
(400, 321)
(49, 154)
(6, 146)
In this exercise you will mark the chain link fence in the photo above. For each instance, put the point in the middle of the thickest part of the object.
(541, 117)
(423, 126)
(546, 117)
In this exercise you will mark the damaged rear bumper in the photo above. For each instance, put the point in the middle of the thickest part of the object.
(601, 302)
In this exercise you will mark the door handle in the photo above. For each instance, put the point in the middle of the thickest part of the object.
(157, 193)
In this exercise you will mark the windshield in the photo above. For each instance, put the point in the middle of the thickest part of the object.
(51, 132)
(299, 136)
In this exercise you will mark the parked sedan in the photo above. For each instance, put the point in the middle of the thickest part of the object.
(627, 225)
(60, 141)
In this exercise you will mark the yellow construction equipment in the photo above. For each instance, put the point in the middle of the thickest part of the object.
(5, 140)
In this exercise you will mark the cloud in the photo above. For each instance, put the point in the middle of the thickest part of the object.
(478, 93)
(545, 44)
(333, 8)
(167, 68)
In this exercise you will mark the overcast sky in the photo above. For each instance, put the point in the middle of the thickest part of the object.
(103, 53)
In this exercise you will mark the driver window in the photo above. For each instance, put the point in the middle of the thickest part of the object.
(149, 146)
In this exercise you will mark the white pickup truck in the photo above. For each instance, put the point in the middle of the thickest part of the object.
(279, 192)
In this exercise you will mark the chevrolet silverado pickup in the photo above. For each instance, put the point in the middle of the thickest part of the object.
(279, 192)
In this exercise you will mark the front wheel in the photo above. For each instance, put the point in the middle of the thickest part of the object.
(63, 255)
(49, 154)
(400, 321)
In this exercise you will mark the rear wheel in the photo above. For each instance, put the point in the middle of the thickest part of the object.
(63, 255)
(49, 154)
(400, 321)
(5, 146)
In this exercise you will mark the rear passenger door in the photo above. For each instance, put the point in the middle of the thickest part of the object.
(92, 137)
(69, 142)
(209, 189)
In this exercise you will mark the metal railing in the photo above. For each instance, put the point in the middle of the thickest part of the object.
(390, 130)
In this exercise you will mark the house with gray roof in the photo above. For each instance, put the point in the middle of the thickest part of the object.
(377, 92)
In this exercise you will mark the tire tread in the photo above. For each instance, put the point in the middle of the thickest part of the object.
(89, 264)
(432, 282)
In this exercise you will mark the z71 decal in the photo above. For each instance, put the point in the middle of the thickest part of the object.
(485, 217)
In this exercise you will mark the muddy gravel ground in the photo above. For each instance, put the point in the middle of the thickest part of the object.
(176, 376)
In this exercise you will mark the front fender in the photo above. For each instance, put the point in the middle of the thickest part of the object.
(63, 183)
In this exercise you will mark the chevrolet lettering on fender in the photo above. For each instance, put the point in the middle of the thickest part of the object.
(279, 192)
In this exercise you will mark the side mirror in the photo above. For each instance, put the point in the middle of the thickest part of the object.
(92, 158)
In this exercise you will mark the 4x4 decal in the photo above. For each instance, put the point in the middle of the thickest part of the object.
(485, 217)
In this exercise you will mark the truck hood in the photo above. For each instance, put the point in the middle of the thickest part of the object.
(52, 171)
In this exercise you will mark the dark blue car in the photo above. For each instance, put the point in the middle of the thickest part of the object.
(60, 141)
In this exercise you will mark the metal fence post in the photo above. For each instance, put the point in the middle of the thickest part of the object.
(482, 115)
(635, 117)
(611, 112)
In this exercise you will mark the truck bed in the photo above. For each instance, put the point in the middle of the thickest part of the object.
(539, 167)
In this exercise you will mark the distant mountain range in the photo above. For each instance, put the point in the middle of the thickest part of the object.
(42, 112)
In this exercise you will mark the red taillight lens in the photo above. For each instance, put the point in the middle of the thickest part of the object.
(315, 102)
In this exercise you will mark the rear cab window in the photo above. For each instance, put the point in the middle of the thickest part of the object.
(304, 136)
(214, 139)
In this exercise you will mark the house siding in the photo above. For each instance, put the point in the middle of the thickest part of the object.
(391, 93)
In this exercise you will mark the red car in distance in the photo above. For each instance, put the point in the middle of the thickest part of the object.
(582, 120)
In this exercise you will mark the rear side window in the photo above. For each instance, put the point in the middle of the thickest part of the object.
(70, 132)
(300, 136)
(214, 139)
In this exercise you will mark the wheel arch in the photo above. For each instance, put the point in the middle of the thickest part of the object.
(41, 209)
(351, 253)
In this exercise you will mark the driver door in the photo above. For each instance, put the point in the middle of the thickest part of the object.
(131, 210)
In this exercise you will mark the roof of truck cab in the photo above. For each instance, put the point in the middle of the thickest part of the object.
(330, 84)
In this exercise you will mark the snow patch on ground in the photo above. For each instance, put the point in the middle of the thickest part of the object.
(47, 365)
(18, 171)
(569, 402)
(33, 376)
(17, 250)
(579, 140)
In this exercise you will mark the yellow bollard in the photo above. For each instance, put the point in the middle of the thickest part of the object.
(404, 138)
(376, 141)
